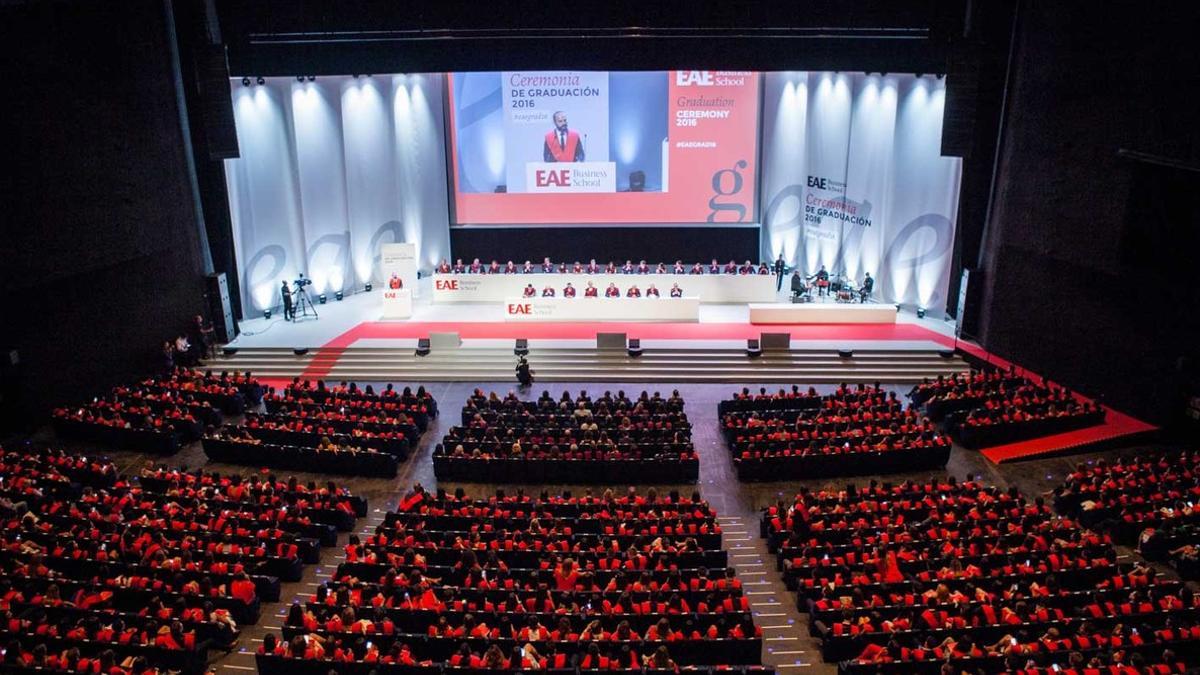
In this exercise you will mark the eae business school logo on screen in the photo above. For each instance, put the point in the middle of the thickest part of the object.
(710, 78)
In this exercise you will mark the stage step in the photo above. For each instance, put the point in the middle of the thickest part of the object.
(590, 365)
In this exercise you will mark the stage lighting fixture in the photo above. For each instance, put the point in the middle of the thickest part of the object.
(920, 312)
(367, 288)
(920, 75)
(501, 189)
(299, 351)
(266, 313)
(941, 76)
(299, 78)
(637, 181)
(312, 78)
(521, 348)
(260, 80)
(245, 82)
(635, 347)
(338, 295)
(322, 299)
(357, 76)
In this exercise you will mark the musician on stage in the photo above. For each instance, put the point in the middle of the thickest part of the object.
(652, 292)
(569, 291)
(868, 285)
(591, 291)
(822, 278)
(676, 291)
(529, 292)
(798, 285)
(612, 291)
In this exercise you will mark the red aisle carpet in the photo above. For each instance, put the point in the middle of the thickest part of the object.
(1117, 425)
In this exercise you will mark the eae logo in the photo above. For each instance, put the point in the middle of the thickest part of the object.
(391, 295)
(522, 308)
(446, 284)
(688, 78)
(818, 182)
(553, 178)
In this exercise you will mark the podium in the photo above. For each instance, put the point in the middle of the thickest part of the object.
(397, 303)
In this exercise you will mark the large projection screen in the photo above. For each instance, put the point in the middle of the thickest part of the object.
(598, 147)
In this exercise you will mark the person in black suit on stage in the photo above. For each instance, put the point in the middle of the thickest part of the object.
(289, 310)
(797, 284)
(868, 285)
(779, 268)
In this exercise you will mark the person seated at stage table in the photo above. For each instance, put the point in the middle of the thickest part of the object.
(678, 268)
(612, 291)
(643, 268)
(528, 268)
(494, 268)
(459, 267)
(627, 268)
(746, 268)
(510, 268)
(444, 267)
(592, 267)
(530, 291)
(676, 291)
(661, 269)
(569, 291)
(731, 268)
(547, 266)
(476, 267)
(562, 268)
(591, 291)
(633, 292)
(696, 269)
(651, 291)
(577, 268)
(714, 267)
(868, 285)
(548, 292)
(610, 268)
(764, 268)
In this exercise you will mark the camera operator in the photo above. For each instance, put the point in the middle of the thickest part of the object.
(289, 310)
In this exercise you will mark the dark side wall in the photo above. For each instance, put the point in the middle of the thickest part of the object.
(101, 260)
(1089, 272)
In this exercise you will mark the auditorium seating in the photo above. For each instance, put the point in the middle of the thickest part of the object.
(613, 439)
(1147, 501)
(456, 584)
(991, 407)
(918, 577)
(158, 415)
(861, 429)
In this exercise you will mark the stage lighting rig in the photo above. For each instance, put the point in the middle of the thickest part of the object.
(367, 288)
(338, 296)
(260, 80)
(245, 82)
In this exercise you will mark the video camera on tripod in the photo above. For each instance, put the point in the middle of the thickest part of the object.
(302, 282)
(304, 303)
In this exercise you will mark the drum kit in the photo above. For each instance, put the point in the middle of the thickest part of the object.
(838, 288)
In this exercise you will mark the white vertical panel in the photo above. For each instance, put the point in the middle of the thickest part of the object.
(316, 118)
(868, 175)
(374, 205)
(785, 118)
(828, 141)
(421, 163)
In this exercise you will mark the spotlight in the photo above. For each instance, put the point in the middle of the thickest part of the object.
(260, 80)
(637, 181)
(920, 312)
(245, 82)
(299, 351)
(897, 307)
(357, 76)
(266, 313)
(322, 299)
(312, 78)
(521, 348)
(367, 288)
(299, 78)
(920, 75)
(501, 189)
(941, 76)
(338, 295)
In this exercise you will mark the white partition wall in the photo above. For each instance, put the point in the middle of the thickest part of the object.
(329, 171)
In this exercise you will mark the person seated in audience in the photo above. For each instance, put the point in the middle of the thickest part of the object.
(651, 291)
(577, 268)
(548, 292)
(731, 267)
(633, 292)
(183, 352)
(627, 268)
(569, 291)
(443, 267)
(591, 291)
(612, 291)
(678, 268)
(592, 267)
(676, 291)
(529, 292)
(510, 268)
(527, 268)
(494, 268)
(547, 266)
(459, 267)
(642, 267)
(475, 267)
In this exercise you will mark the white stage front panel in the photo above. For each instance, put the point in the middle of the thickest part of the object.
(397, 303)
(709, 288)
(826, 312)
(602, 309)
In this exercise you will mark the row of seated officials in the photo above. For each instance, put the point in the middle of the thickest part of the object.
(592, 267)
(994, 406)
(949, 576)
(133, 575)
(1146, 500)
(611, 439)
(612, 291)
(802, 434)
(514, 582)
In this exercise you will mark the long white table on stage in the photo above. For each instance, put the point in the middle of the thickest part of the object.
(822, 312)
(602, 309)
(707, 287)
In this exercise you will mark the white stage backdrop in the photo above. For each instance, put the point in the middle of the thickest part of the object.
(329, 171)
(853, 179)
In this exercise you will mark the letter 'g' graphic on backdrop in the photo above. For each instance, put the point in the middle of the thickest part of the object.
(719, 187)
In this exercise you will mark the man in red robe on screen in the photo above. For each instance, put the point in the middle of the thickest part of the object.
(562, 144)
(394, 283)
